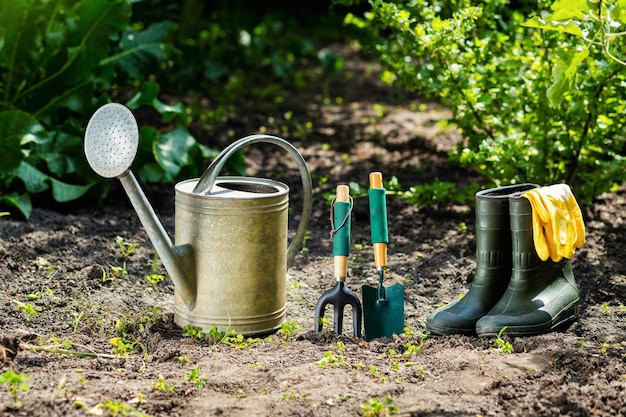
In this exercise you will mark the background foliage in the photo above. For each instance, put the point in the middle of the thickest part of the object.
(532, 105)
(536, 89)
(61, 59)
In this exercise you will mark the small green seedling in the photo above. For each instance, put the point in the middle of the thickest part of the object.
(15, 385)
(503, 346)
(121, 346)
(195, 377)
(193, 332)
(289, 328)
(376, 408)
(126, 249)
(118, 408)
(160, 385)
(334, 359)
(154, 277)
(27, 308)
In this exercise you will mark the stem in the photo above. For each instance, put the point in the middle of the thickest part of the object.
(70, 60)
(606, 41)
(60, 351)
(62, 96)
(591, 114)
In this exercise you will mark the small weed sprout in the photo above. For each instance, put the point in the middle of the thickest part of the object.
(118, 408)
(126, 249)
(15, 385)
(119, 272)
(193, 332)
(503, 346)
(154, 277)
(160, 385)
(376, 408)
(121, 346)
(332, 359)
(289, 328)
(195, 377)
(27, 308)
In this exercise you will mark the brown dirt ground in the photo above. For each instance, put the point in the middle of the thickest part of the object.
(60, 253)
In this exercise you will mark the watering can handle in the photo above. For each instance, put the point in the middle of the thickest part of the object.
(206, 181)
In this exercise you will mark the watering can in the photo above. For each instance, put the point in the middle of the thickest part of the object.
(230, 258)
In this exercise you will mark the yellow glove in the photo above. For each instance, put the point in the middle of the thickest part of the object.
(558, 227)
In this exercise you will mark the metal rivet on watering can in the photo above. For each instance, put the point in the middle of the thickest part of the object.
(230, 261)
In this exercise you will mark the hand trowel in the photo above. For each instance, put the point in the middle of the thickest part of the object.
(383, 307)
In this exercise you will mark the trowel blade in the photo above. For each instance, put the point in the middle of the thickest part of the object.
(383, 318)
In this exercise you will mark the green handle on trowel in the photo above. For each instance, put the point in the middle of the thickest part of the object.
(378, 209)
(378, 219)
(342, 208)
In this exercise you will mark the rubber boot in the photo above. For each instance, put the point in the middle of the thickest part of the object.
(541, 295)
(493, 264)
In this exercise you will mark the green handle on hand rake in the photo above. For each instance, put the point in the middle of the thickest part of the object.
(341, 213)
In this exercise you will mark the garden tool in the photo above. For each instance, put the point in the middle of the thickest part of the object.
(383, 308)
(340, 296)
(541, 295)
(558, 227)
(229, 264)
(493, 264)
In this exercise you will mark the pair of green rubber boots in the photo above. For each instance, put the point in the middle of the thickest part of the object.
(512, 288)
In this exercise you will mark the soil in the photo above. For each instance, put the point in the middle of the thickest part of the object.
(55, 262)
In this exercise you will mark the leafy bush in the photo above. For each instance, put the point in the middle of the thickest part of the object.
(61, 60)
(57, 61)
(495, 74)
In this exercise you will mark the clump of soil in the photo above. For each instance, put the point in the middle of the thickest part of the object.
(92, 343)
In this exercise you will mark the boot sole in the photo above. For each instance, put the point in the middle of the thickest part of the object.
(567, 315)
(449, 331)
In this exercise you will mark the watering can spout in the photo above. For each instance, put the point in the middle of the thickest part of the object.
(111, 143)
(177, 260)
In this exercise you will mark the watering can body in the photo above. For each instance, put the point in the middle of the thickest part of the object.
(238, 232)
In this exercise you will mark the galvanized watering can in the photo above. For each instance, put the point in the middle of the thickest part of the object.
(230, 261)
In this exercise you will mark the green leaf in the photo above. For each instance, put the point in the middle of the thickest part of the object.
(63, 192)
(17, 128)
(560, 26)
(20, 202)
(34, 180)
(148, 96)
(564, 76)
(579, 5)
(171, 151)
(142, 51)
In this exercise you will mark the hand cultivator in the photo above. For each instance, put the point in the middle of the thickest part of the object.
(340, 296)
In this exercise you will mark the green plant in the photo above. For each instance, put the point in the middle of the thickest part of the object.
(126, 249)
(122, 347)
(600, 24)
(493, 72)
(122, 409)
(334, 359)
(160, 385)
(118, 272)
(504, 346)
(289, 328)
(61, 60)
(194, 332)
(196, 378)
(15, 384)
(376, 408)
(27, 308)
(154, 277)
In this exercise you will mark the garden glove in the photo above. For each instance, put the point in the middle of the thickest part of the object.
(558, 227)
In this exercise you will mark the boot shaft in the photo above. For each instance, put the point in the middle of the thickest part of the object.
(493, 230)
